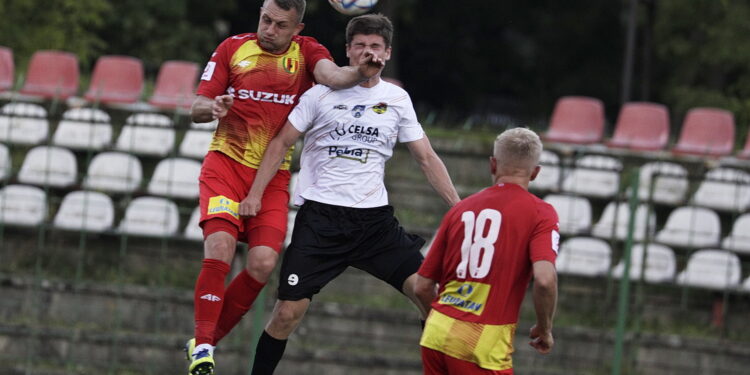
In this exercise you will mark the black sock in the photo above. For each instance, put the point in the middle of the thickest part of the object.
(268, 354)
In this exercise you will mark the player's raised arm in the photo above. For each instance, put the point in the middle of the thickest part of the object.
(341, 77)
(272, 159)
(434, 169)
(545, 300)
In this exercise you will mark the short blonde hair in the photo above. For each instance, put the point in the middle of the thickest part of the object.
(517, 149)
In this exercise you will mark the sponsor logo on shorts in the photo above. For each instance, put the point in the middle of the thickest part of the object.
(466, 296)
(358, 111)
(293, 279)
(380, 108)
(356, 154)
(223, 205)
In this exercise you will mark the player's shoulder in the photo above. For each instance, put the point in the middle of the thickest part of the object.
(319, 92)
(543, 208)
(235, 41)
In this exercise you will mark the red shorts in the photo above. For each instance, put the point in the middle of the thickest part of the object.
(225, 182)
(438, 363)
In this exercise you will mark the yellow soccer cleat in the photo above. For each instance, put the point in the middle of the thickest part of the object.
(202, 362)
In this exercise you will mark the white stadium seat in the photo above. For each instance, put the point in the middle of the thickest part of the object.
(669, 179)
(89, 211)
(5, 162)
(205, 125)
(195, 143)
(23, 123)
(584, 256)
(660, 264)
(574, 213)
(616, 224)
(22, 205)
(548, 178)
(49, 166)
(691, 227)
(594, 176)
(150, 216)
(147, 134)
(176, 177)
(84, 129)
(193, 230)
(739, 240)
(114, 172)
(711, 269)
(724, 189)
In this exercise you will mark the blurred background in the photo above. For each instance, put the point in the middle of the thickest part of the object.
(643, 105)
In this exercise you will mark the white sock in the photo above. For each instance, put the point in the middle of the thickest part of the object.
(204, 346)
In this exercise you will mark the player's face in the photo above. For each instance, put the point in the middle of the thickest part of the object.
(277, 27)
(362, 44)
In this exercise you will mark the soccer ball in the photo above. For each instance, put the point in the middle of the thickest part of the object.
(352, 7)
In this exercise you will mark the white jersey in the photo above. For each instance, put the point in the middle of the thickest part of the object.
(350, 135)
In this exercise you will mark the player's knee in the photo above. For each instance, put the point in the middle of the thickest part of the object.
(220, 246)
(288, 315)
(261, 263)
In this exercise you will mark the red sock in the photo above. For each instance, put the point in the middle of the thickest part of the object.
(238, 299)
(209, 296)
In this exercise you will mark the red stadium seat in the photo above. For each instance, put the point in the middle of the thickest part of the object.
(745, 153)
(116, 79)
(576, 119)
(641, 126)
(175, 85)
(706, 132)
(7, 69)
(52, 74)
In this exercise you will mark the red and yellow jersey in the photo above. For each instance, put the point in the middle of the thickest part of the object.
(265, 87)
(482, 258)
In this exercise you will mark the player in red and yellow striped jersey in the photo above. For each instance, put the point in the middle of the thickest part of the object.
(483, 257)
(250, 84)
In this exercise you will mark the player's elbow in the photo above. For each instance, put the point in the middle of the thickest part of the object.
(545, 281)
(424, 290)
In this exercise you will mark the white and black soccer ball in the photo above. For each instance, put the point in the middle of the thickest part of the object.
(352, 7)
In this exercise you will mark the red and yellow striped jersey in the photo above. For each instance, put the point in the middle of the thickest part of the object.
(265, 87)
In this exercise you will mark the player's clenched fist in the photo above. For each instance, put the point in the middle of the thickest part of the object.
(541, 340)
(221, 106)
(250, 206)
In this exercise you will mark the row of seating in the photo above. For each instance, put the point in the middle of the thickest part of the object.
(686, 226)
(714, 269)
(114, 80)
(598, 176)
(644, 126)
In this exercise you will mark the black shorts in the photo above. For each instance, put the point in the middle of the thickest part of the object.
(327, 239)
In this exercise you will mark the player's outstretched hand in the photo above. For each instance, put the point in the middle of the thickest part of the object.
(221, 106)
(370, 65)
(250, 206)
(542, 341)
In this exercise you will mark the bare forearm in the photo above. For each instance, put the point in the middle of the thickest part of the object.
(201, 110)
(272, 159)
(545, 300)
(437, 175)
(426, 291)
(344, 77)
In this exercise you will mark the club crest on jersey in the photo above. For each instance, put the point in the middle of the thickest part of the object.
(358, 111)
(291, 65)
(380, 108)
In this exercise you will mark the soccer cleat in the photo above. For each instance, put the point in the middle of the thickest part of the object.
(189, 349)
(201, 363)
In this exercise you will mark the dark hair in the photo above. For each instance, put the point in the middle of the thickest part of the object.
(298, 5)
(369, 24)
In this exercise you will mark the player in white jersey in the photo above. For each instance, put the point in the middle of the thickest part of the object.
(344, 219)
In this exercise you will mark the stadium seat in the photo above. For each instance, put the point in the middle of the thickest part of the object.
(739, 240)
(724, 189)
(6, 163)
(706, 132)
(195, 143)
(594, 176)
(193, 230)
(205, 125)
(614, 222)
(23, 123)
(176, 177)
(7, 69)
(22, 205)
(289, 227)
(691, 227)
(574, 213)
(84, 129)
(49, 166)
(660, 264)
(548, 178)
(745, 152)
(88, 211)
(576, 119)
(150, 216)
(52, 74)
(114, 172)
(670, 182)
(641, 126)
(711, 269)
(584, 256)
(175, 85)
(147, 134)
(116, 79)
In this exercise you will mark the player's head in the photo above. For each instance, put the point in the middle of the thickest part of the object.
(368, 33)
(280, 20)
(516, 154)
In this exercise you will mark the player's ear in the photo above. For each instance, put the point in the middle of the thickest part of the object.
(298, 28)
(388, 53)
(535, 173)
(493, 165)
